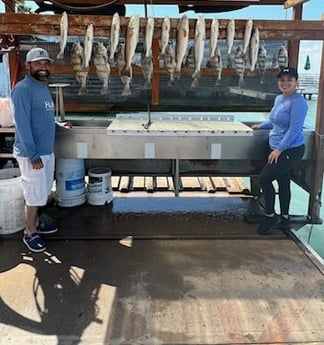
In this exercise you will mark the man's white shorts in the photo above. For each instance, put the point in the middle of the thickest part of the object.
(37, 183)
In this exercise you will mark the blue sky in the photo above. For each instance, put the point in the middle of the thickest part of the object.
(312, 10)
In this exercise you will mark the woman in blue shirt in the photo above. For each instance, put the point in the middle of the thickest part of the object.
(286, 142)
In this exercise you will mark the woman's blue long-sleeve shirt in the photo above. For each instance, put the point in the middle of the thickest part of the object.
(34, 119)
(286, 122)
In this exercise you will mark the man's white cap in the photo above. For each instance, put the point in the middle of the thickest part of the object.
(36, 54)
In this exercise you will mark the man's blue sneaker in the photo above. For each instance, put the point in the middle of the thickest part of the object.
(34, 243)
(44, 228)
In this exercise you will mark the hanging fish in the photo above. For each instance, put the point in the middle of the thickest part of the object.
(283, 57)
(100, 60)
(170, 63)
(64, 26)
(214, 33)
(262, 59)
(165, 35)
(240, 65)
(114, 36)
(147, 70)
(200, 36)
(254, 48)
(247, 35)
(274, 61)
(121, 63)
(190, 58)
(132, 35)
(88, 40)
(182, 43)
(230, 40)
(81, 74)
(149, 30)
(218, 66)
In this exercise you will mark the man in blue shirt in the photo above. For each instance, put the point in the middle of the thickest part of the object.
(286, 142)
(34, 143)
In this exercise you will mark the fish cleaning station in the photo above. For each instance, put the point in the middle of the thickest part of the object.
(154, 97)
(161, 109)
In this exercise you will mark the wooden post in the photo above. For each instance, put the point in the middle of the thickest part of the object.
(155, 76)
(314, 205)
(293, 45)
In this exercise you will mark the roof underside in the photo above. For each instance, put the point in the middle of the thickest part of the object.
(110, 6)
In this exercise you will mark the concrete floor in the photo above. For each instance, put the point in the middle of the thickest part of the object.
(159, 272)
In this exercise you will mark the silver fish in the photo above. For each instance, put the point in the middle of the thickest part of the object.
(114, 36)
(262, 59)
(165, 35)
(214, 33)
(169, 62)
(190, 58)
(147, 70)
(247, 35)
(131, 43)
(182, 42)
(230, 35)
(200, 36)
(100, 60)
(218, 67)
(274, 61)
(121, 63)
(120, 57)
(64, 26)
(282, 57)
(149, 30)
(81, 74)
(254, 48)
(88, 40)
(240, 65)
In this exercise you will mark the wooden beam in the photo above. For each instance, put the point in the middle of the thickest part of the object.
(34, 24)
(292, 3)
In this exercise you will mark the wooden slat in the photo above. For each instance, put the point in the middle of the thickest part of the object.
(207, 184)
(138, 183)
(115, 182)
(235, 185)
(149, 184)
(124, 184)
(171, 183)
(219, 183)
(191, 183)
(162, 183)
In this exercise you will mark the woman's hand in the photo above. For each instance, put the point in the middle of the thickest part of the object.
(255, 126)
(273, 156)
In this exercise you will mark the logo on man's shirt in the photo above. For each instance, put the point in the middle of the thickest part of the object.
(49, 105)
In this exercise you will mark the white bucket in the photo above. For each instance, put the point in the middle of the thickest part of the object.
(70, 184)
(12, 204)
(99, 186)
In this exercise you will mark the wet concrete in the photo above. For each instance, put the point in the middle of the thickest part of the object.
(232, 287)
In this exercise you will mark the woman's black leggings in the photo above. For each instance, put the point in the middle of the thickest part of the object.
(280, 171)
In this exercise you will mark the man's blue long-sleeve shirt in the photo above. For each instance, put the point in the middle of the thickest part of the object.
(34, 119)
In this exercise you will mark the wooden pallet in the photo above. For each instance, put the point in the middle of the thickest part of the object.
(151, 184)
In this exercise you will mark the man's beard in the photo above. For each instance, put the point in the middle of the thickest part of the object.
(39, 76)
